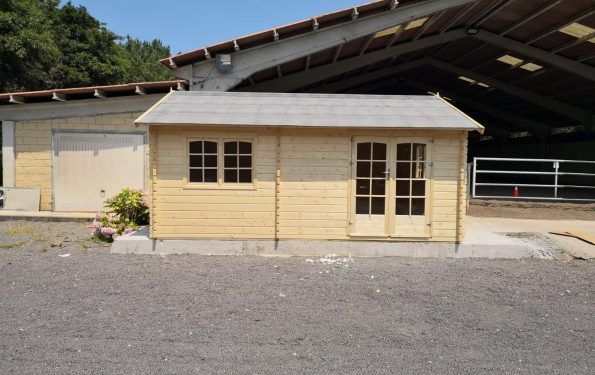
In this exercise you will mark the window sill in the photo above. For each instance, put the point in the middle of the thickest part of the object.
(198, 186)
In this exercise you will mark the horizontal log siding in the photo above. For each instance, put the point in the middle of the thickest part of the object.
(314, 185)
(185, 211)
(313, 192)
(445, 195)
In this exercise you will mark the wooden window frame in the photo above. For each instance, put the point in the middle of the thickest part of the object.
(390, 213)
(411, 179)
(370, 179)
(220, 184)
(429, 192)
(203, 153)
(238, 168)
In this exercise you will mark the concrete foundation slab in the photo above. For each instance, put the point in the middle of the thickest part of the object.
(140, 243)
(486, 238)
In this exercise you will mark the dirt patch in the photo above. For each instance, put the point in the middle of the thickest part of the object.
(541, 245)
(41, 236)
(531, 210)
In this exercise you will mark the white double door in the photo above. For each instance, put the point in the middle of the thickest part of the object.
(391, 187)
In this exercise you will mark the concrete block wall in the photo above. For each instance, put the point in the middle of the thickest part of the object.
(33, 147)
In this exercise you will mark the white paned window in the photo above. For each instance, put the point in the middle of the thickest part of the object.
(218, 162)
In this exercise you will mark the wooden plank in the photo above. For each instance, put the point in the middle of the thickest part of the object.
(314, 148)
(313, 193)
(313, 231)
(229, 230)
(212, 236)
(312, 223)
(278, 155)
(309, 154)
(288, 165)
(213, 222)
(216, 207)
(322, 185)
(266, 191)
(230, 214)
(449, 203)
(284, 215)
(226, 201)
(316, 208)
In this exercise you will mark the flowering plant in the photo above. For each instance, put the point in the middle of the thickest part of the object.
(124, 213)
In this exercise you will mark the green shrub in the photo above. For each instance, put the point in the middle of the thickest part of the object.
(131, 205)
(124, 213)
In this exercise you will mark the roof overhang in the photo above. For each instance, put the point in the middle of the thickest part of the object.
(97, 92)
(420, 112)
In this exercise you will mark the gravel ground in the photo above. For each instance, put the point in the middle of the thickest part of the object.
(531, 210)
(94, 312)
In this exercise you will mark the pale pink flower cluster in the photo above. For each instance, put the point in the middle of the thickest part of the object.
(108, 232)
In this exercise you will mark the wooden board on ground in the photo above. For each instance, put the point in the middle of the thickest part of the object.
(580, 235)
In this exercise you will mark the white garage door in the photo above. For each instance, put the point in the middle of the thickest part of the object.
(91, 167)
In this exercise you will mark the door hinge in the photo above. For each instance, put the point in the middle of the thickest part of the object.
(430, 224)
(351, 163)
(431, 164)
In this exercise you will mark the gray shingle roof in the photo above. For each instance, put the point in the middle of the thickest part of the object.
(307, 110)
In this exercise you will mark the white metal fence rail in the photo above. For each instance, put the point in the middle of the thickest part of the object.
(514, 178)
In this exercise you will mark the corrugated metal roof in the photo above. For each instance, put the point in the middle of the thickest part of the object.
(307, 110)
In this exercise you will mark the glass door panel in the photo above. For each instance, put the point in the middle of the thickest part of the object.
(371, 174)
(410, 188)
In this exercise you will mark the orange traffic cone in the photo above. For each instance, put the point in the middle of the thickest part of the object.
(516, 191)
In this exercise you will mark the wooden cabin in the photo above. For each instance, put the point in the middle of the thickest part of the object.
(260, 166)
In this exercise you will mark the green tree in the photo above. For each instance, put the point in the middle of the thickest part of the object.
(90, 55)
(27, 44)
(142, 60)
(44, 46)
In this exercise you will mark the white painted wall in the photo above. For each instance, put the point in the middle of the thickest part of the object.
(8, 156)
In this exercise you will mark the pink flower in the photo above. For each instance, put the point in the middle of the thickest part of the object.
(95, 225)
(128, 230)
(107, 232)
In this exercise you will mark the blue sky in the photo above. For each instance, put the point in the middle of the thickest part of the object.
(190, 24)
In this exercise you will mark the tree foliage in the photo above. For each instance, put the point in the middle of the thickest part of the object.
(141, 60)
(44, 45)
